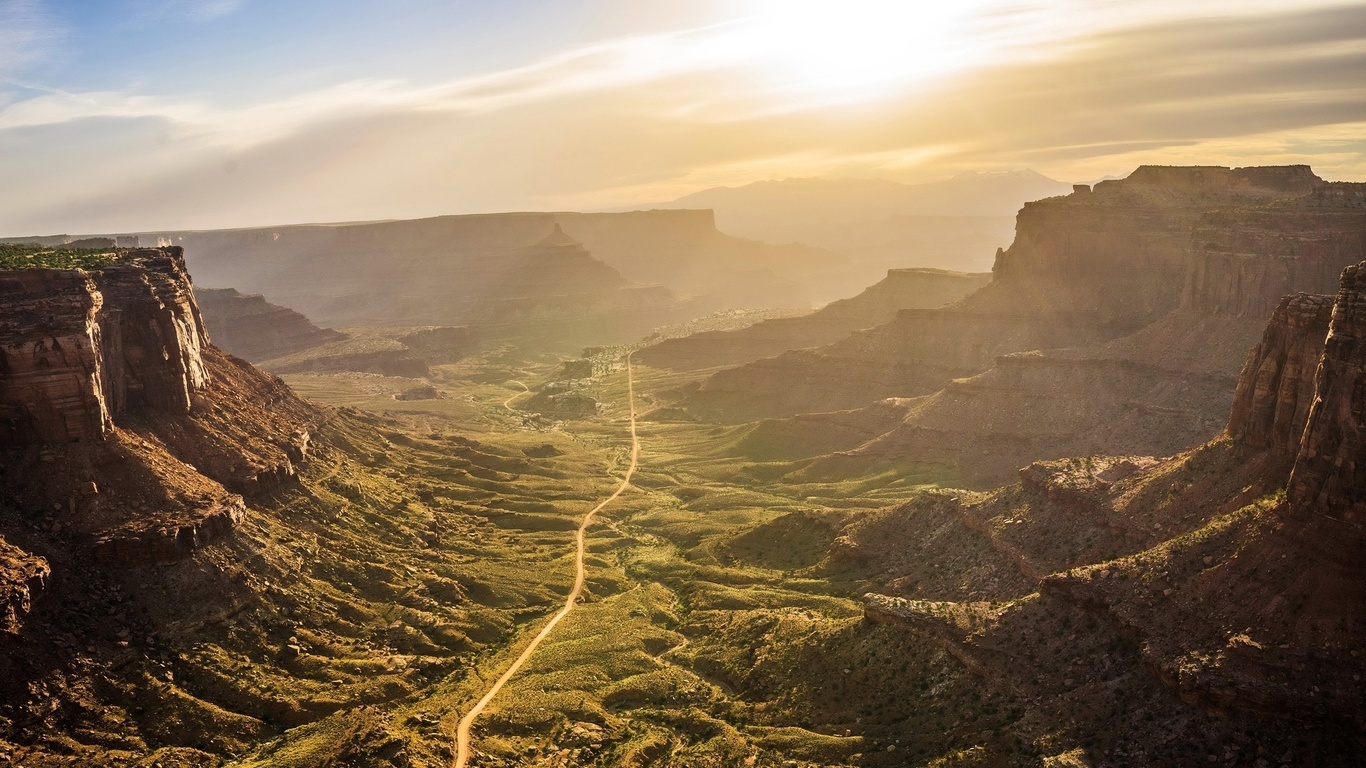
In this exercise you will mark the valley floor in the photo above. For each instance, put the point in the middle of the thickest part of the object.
(721, 620)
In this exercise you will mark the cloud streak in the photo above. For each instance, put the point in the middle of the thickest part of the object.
(653, 117)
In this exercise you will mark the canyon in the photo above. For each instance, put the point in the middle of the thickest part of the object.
(1117, 321)
(1101, 508)
(438, 271)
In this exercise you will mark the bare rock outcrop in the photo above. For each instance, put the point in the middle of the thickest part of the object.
(79, 348)
(22, 576)
(1276, 388)
(117, 413)
(1329, 477)
(252, 328)
(51, 359)
(1117, 322)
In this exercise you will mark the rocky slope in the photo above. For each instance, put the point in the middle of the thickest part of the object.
(1244, 599)
(255, 329)
(877, 304)
(1135, 301)
(193, 560)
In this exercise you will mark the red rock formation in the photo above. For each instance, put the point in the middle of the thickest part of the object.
(255, 329)
(1329, 477)
(78, 349)
(154, 334)
(1276, 388)
(51, 358)
(1142, 296)
(112, 416)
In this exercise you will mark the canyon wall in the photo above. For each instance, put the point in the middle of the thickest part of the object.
(1329, 477)
(79, 348)
(255, 329)
(1272, 399)
(875, 305)
(120, 424)
(1136, 302)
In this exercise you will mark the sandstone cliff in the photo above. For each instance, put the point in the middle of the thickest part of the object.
(1274, 393)
(1329, 478)
(1136, 300)
(255, 329)
(1240, 598)
(78, 348)
(877, 304)
(118, 415)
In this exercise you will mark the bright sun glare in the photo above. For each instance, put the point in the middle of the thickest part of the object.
(860, 47)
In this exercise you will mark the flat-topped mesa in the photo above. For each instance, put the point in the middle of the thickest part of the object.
(78, 348)
(1329, 477)
(1294, 180)
(1204, 238)
(1276, 388)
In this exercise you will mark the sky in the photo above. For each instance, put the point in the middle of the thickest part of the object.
(126, 115)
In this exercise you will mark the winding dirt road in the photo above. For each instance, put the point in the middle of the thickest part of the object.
(462, 732)
(525, 389)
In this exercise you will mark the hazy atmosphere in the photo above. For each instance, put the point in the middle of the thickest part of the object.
(688, 384)
(138, 114)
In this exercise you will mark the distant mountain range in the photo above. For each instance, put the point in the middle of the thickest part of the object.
(953, 224)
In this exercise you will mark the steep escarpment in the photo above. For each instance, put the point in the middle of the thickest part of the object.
(193, 560)
(1135, 301)
(1329, 478)
(1276, 389)
(255, 329)
(1241, 598)
(121, 419)
(877, 304)
(80, 348)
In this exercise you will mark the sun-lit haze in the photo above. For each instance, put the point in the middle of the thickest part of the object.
(134, 114)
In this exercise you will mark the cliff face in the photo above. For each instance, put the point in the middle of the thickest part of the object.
(1246, 596)
(1140, 296)
(1244, 263)
(255, 329)
(116, 412)
(1329, 477)
(78, 349)
(1276, 388)
(53, 379)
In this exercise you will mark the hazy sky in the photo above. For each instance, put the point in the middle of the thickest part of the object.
(141, 114)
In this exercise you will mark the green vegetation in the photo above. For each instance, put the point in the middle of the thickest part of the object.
(23, 256)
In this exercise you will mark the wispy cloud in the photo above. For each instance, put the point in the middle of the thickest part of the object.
(26, 34)
(195, 10)
(650, 117)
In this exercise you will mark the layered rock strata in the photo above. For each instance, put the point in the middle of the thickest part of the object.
(1244, 592)
(117, 413)
(1136, 303)
(79, 348)
(1329, 477)
(1276, 388)
(255, 329)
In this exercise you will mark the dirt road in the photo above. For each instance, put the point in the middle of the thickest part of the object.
(462, 732)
